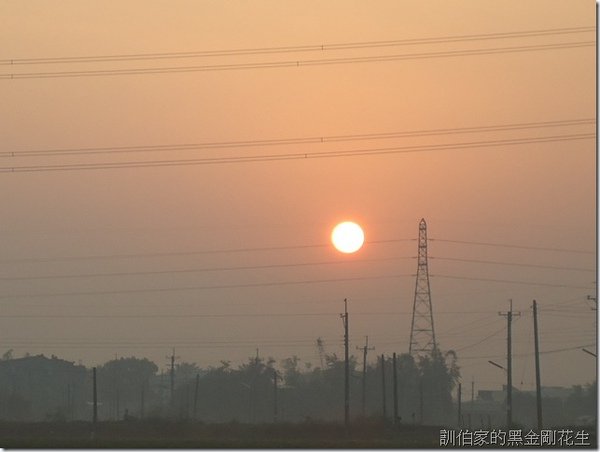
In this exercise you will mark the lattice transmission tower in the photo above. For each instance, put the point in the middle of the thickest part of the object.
(422, 333)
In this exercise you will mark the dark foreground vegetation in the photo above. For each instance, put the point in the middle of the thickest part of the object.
(161, 433)
(47, 402)
(38, 388)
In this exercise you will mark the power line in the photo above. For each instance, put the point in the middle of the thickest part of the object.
(186, 288)
(296, 63)
(563, 302)
(557, 350)
(213, 316)
(179, 341)
(513, 264)
(161, 344)
(296, 156)
(480, 341)
(278, 248)
(509, 281)
(178, 316)
(562, 315)
(184, 253)
(478, 321)
(299, 48)
(297, 140)
(195, 270)
(97, 345)
(505, 245)
(268, 284)
(248, 267)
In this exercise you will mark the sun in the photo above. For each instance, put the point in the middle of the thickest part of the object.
(347, 237)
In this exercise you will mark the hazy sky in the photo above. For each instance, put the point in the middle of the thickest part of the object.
(63, 231)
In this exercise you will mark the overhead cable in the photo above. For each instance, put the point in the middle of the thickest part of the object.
(295, 156)
(297, 140)
(298, 48)
(296, 63)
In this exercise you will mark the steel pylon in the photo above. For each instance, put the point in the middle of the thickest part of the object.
(422, 333)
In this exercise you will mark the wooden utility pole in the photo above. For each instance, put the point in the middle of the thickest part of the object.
(395, 388)
(69, 404)
(275, 413)
(383, 386)
(142, 403)
(94, 399)
(509, 316)
(172, 358)
(346, 367)
(421, 414)
(459, 405)
(472, 399)
(172, 375)
(196, 396)
(364, 377)
(538, 387)
(118, 399)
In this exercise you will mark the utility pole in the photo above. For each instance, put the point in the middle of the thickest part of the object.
(95, 400)
(383, 386)
(538, 387)
(421, 414)
(118, 398)
(364, 378)
(472, 399)
(275, 396)
(196, 396)
(172, 376)
(69, 407)
(459, 404)
(346, 367)
(395, 387)
(509, 316)
(142, 403)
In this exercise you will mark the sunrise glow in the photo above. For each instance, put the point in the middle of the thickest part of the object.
(347, 237)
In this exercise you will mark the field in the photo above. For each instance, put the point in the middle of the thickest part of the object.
(165, 434)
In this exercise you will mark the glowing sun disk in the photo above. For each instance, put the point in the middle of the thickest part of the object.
(347, 237)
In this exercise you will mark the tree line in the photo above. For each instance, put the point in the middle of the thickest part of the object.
(257, 391)
(261, 390)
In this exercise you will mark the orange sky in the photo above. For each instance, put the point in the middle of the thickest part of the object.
(540, 195)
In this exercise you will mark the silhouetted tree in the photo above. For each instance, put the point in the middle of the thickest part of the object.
(37, 387)
(120, 383)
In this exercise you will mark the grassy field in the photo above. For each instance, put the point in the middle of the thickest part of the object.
(164, 434)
